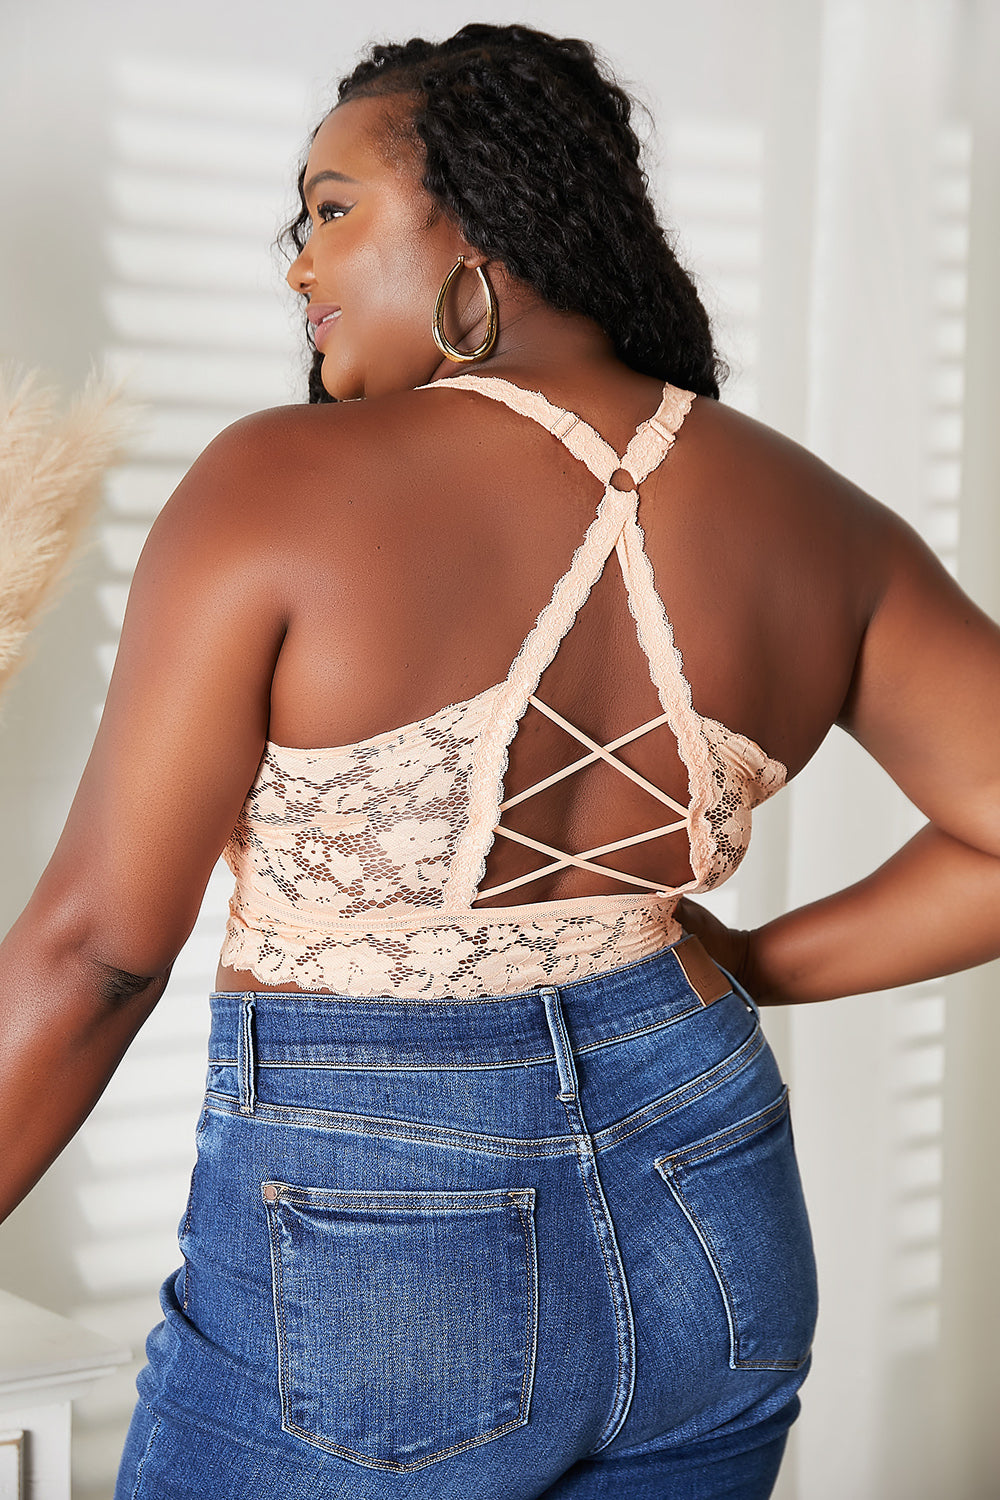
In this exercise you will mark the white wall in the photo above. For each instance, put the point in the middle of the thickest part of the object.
(831, 169)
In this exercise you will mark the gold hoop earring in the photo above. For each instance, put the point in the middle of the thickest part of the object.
(447, 348)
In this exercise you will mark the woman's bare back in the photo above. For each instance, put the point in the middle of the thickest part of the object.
(426, 531)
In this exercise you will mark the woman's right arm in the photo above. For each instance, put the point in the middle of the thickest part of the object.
(181, 737)
(925, 702)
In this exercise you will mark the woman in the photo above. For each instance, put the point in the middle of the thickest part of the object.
(496, 1191)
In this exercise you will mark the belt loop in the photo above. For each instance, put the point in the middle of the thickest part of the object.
(744, 994)
(246, 1056)
(561, 1045)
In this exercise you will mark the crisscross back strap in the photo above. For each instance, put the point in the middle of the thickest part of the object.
(572, 431)
(649, 445)
(654, 437)
(615, 528)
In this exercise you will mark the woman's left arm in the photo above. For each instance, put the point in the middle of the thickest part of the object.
(179, 744)
(925, 701)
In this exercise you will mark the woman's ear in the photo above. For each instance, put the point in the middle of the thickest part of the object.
(473, 258)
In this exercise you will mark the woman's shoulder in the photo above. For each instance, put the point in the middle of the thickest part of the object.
(268, 484)
(254, 468)
(779, 502)
(280, 438)
(726, 441)
(722, 457)
(348, 419)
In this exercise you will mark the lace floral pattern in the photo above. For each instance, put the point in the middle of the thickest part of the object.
(742, 778)
(368, 828)
(452, 957)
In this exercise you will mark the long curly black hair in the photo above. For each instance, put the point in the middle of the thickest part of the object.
(529, 147)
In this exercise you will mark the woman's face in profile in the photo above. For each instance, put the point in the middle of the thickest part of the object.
(371, 255)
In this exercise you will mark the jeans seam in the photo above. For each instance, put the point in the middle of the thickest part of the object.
(367, 1125)
(146, 1451)
(316, 1440)
(247, 1057)
(506, 1146)
(278, 1304)
(714, 1145)
(736, 1362)
(625, 1331)
(714, 1078)
(531, 1344)
(190, 1205)
(534, 1060)
(671, 1170)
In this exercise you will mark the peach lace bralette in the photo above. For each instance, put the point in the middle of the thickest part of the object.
(357, 866)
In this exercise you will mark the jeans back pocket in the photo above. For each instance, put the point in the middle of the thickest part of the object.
(740, 1191)
(407, 1321)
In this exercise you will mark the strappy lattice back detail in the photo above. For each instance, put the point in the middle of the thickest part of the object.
(584, 860)
(615, 528)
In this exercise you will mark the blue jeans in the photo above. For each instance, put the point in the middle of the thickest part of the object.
(546, 1244)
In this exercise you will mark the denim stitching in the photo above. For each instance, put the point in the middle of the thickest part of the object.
(569, 1095)
(388, 1200)
(713, 1078)
(585, 1157)
(714, 1146)
(247, 1060)
(199, 1132)
(146, 1452)
(401, 1130)
(736, 1362)
(565, 1067)
(316, 1439)
(507, 1146)
(278, 1301)
(533, 1060)
(393, 1468)
(531, 1342)
(707, 1248)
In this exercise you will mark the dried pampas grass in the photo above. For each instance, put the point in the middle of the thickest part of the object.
(51, 466)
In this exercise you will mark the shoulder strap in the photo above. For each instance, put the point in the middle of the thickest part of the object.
(654, 437)
(572, 431)
(650, 443)
(485, 788)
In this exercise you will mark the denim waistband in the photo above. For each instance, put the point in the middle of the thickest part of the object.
(316, 1029)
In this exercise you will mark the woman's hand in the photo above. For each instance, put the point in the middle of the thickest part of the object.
(729, 946)
(933, 908)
